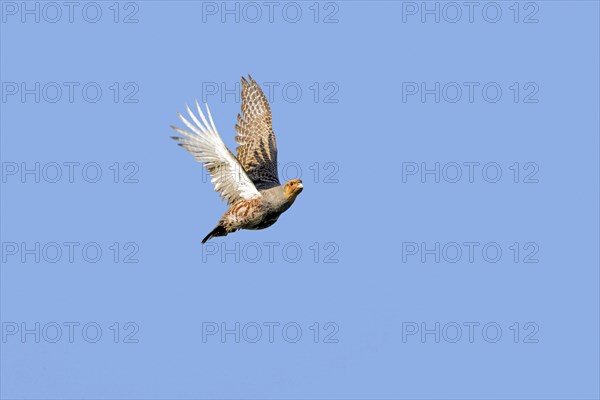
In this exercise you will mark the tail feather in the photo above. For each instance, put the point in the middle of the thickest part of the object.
(218, 231)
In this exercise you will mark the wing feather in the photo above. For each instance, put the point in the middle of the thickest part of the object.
(204, 143)
(257, 150)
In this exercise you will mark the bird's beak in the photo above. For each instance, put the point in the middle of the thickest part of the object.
(300, 186)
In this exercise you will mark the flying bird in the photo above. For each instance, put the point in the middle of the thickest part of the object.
(249, 182)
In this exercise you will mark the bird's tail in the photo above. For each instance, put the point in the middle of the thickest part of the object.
(218, 231)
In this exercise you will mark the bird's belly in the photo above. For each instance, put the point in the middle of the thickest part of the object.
(265, 222)
(250, 214)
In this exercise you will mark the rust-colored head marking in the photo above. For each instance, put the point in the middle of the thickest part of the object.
(293, 188)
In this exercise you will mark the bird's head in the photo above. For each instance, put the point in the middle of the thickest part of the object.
(293, 188)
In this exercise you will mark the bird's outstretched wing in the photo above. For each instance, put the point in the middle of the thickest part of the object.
(257, 150)
(205, 144)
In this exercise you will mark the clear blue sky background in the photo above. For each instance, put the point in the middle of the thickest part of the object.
(359, 210)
